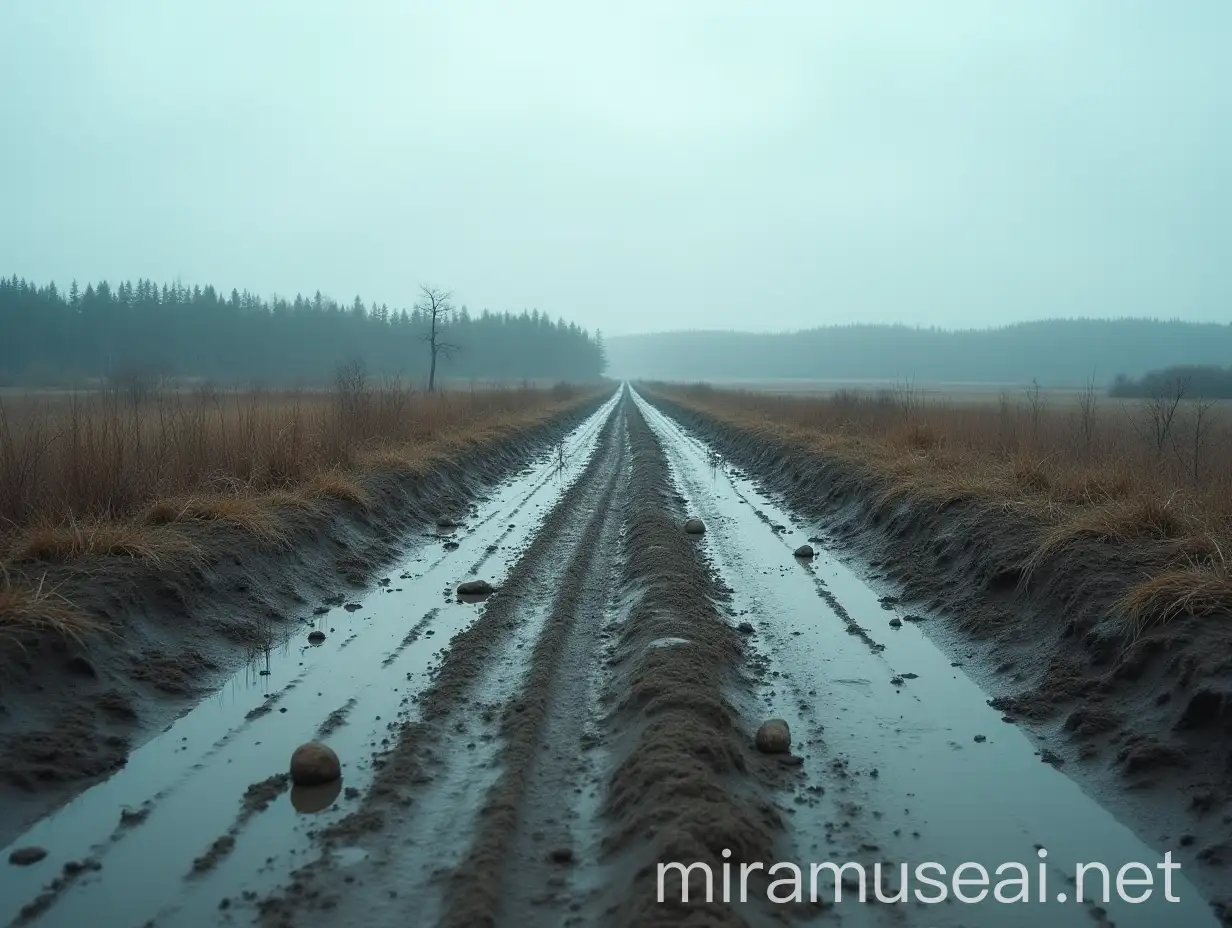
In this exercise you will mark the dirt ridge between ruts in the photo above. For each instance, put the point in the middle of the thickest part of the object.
(1145, 723)
(410, 761)
(689, 784)
(477, 886)
(70, 712)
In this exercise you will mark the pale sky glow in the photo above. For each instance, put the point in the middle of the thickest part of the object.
(635, 167)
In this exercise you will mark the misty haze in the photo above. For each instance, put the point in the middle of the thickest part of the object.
(488, 465)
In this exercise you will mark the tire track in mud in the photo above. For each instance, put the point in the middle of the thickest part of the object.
(523, 840)
(410, 773)
(570, 445)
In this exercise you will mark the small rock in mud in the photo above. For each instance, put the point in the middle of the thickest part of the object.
(130, 817)
(896, 623)
(475, 588)
(313, 764)
(25, 856)
(804, 551)
(316, 637)
(980, 739)
(745, 628)
(896, 680)
(695, 526)
(773, 737)
(320, 610)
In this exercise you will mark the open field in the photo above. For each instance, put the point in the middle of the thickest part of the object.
(1067, 461)
(71, 461)
(952, 394)
(530, 753)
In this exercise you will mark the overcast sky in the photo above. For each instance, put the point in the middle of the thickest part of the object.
(647, 166)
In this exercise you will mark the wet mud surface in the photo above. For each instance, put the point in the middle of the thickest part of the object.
(529, 756)
(174, 631)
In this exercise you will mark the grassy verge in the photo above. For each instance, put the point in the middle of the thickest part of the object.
(1147, 479)
(91, 476)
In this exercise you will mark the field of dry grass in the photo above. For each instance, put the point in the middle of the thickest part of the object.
(1155, 474)
(119, 473)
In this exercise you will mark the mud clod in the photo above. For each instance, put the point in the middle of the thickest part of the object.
(804, 551)
(695, 526)
(773, 737)
(313, 764)
(316, 637)
(25, 856)
(475, 588)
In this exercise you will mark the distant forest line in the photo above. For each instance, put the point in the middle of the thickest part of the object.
(52, 337)
(1056, 353)
(1181, 381)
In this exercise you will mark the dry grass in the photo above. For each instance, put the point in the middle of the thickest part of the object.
(158, 545)
(85, 476)
(251, 513)
(33, 609)
(1197, 589)
(1074, 474)
(338, 485)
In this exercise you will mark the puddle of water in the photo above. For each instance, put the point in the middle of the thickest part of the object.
(194, 774)
(904, 778)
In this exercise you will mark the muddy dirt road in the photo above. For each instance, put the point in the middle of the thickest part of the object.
(527, 758)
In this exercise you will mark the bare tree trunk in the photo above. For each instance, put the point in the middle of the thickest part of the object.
(432, 372)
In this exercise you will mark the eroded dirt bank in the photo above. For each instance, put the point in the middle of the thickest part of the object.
(172, 630)
(1143, 724)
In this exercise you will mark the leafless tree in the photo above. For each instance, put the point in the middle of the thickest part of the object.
(1087, 400)
(907, 399)
(436, 305)
(1035, 400)
(354, 394)
(1158, 412)
(1200, 422)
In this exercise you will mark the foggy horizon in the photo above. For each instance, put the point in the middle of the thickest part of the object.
(646, 170)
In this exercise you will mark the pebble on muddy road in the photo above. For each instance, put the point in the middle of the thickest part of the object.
(475, 588)
(314, 763)
(695, 526)
(774, 737)
(804, 551)
(25, 856)
(316, 637)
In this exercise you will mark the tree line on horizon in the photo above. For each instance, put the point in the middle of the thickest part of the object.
(54, 338)
(1054, 352)
(1196, 381)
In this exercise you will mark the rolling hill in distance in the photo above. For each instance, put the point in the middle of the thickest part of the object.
(1057, 352)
